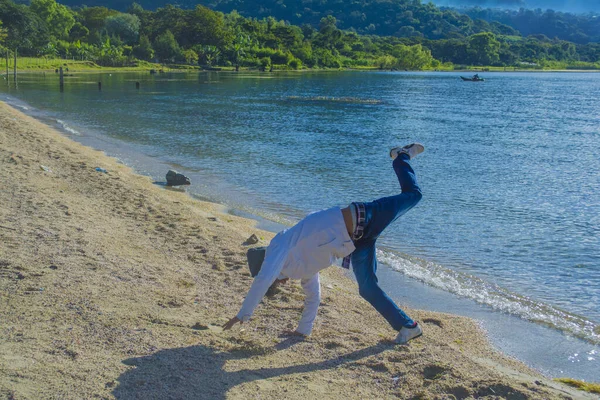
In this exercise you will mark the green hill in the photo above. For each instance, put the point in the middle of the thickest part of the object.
(401, 18)
(421, 36)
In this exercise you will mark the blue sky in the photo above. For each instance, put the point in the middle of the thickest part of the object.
(559, 5)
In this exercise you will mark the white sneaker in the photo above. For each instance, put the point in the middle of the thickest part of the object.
(407, 334)
(412, 150)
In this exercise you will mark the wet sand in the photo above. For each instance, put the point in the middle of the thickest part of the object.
(113, 287)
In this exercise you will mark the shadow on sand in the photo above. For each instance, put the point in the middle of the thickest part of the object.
(197, 371)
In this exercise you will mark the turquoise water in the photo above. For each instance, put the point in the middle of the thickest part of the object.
(510, 216)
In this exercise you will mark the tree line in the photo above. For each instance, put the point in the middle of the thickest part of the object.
(577, 28)
(202, 36)
(402, 18)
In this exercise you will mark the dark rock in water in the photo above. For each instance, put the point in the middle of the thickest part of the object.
(174, 178)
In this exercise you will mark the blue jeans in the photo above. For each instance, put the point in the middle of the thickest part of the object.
(378, 215)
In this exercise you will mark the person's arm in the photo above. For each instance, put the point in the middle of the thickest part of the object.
(312, 292)
(269, 271)
(257, 291)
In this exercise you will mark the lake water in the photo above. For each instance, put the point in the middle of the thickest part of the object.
(510, 217)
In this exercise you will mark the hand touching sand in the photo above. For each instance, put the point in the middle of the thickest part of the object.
(231, 323)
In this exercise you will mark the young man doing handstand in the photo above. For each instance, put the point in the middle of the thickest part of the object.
(315, 242)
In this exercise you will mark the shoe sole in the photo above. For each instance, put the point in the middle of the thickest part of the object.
(414, 337)
(394, 150)
(398, 149)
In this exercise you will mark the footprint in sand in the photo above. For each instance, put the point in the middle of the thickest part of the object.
(433, 321)
(434, 371)
(215, 328)
(211, 328)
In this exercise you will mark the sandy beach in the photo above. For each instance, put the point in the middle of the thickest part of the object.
(114, 287)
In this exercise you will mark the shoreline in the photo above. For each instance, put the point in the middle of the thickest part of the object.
(99, 70)
(109, 281)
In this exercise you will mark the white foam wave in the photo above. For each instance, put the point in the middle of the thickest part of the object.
(492, 295)
(67, 128)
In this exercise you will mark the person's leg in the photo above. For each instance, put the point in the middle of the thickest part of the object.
(406, 174)
(382, 212)
(364, 265)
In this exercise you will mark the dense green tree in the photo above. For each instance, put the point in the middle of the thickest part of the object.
(125, 26)
(209, 54)
(206, 27)
(308, 31)
(412, 57)
(136, 9)
(265, 63)
(501, 29)
(295, 63)
(3, 34)
(289, 37)
(480, 25)
(24, 30)
(96, 38)
(145, 17)
(452, 50)
(484, 48)
(111, 55)
(305, 53)
(83, 51)
(329, 35)
(143, 50)
(58, 18)
(166, 47)
(94, 18)
(386, 62)
(588, 53)
(327, 23)
(238, 48)
(190, 56)
(278, 57)
(324, 58)
(506, 56)
(78, 32)
(169, 18)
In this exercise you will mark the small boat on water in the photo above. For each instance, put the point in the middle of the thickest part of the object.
(472, 79)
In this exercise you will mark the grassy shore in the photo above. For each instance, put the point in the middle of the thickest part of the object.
(51, 64)
(48, 64)
(113, 287)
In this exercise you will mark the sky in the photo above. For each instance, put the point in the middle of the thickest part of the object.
(558, 5)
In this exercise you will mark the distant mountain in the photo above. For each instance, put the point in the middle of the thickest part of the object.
(573, 6)
(402, 18)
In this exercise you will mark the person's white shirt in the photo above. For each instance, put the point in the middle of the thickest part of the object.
(300, 252)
